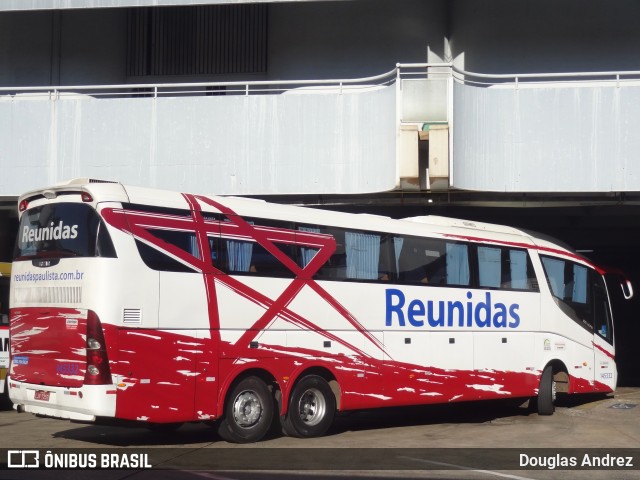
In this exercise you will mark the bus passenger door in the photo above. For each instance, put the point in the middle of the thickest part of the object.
(605, 372)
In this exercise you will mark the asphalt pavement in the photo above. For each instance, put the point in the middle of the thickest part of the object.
(478, 440)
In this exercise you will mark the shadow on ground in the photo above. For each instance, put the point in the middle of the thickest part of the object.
(361, 420)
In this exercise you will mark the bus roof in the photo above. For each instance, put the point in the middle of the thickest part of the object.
(104, 190)
(471, 224)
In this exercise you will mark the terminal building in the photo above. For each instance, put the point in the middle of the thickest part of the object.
(522, 113)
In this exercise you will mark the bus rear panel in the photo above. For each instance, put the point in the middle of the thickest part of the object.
(59, 363)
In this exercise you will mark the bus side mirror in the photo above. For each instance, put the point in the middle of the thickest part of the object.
(627, 289)
(625, 284)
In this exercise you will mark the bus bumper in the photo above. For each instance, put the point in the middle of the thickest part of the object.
(81, 404)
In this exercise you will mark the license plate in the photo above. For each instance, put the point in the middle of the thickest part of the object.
(41, 395)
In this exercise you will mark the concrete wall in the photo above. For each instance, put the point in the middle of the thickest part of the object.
(352, 39)
(345, 38)
(259, 144)
(72, 47)
(313, 40)
(93, 47)
(555, 138)
(26, 48)
(506, 36)
(547, 138)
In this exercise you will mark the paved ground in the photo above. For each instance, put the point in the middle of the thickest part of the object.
(390, 443)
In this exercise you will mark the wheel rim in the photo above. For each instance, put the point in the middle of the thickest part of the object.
(247, 409)
(312, 407)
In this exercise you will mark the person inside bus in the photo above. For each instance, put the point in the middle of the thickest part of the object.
(411, 264)
(386, 261)
(434, 271)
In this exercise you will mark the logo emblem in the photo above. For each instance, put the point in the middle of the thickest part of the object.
(23, 459)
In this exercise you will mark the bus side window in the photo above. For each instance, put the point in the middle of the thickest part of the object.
(569, 285)
(249, 257)
(507, 268)
(306, 253)
(554, 270)
(265, 263)
(420, 260)
(359, 255)
(214, 248)
(157, 258)
(104, 244)
(387, 271)
(335, 267)
(458, 271)
(235, 255)
(362, 255)
(519, 271)
(490, 267)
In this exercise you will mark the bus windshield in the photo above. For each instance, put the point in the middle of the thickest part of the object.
(62, 230)
(581, 294)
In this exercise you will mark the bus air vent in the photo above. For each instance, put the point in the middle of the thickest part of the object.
(83, 181)
(98, 180)
(47, 294)
(132, 316)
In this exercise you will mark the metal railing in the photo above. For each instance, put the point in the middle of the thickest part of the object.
(611, 78)
(401, 72)
(259, 87)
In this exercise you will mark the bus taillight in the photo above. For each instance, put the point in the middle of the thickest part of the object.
(98, 371)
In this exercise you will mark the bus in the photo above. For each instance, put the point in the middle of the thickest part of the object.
(141, 305)
(5, 274)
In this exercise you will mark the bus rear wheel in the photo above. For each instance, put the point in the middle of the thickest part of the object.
(312, 407)
(248, 412)
(546, 392)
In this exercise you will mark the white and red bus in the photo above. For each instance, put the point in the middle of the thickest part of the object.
(161, 307)
(5, 274)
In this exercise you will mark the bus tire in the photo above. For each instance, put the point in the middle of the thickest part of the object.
(312, 406)
(546, 392)
(248, 412)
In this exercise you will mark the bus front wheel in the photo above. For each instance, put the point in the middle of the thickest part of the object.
(248, 412)
(546, 392)
(312, 407)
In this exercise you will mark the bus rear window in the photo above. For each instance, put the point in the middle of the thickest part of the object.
(62, 230)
